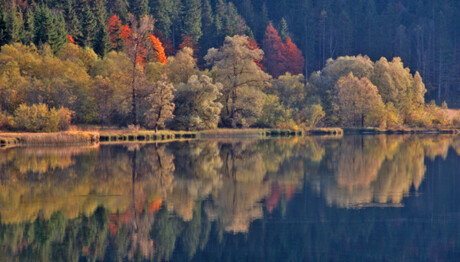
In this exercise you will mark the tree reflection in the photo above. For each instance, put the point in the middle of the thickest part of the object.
(129, 202)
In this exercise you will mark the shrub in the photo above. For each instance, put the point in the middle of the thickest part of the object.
(6, 121)
(310, 116)
(456, 119)
(65, 118)
(39, 118)
(274, 114)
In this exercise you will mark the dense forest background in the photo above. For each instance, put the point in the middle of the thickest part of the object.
(423, 33)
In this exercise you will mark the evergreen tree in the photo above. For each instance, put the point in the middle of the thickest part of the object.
(43, 23)
(162, 11)
(118, 7)
(283, 29)
(73, 25)
(192, 20)
(139, 8)
(28, 32)
(5, 36)
(89, 26)
(57, 36)
(101, 42)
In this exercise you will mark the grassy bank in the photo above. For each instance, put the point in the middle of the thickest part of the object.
(60, 138)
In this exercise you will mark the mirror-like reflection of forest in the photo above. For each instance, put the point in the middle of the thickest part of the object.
(356, 197)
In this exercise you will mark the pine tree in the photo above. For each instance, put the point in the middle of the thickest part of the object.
(89, 26)
(43, 22)
(139, 8)
(73, 25)
(283, 29)
(101, 42)
(118, 7)
(162, 11)
(5, 37)
(209, 30)
(57, 36)
(28, 32)
(192, 20)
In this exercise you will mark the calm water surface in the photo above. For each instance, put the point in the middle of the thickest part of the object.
(357, 198)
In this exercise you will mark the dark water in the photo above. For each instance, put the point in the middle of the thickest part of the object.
(358, 198)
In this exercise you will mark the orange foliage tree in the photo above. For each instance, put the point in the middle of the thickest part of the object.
(70, 39)
(137, 47)
(158, 49)
(114, 27)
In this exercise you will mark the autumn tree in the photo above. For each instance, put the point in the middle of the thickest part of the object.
(295, 61)
(114, 27)
(137, 47)
(281, 57)
(242, 79)
(356, 98)
(161, 105)
(158, 49)
(274, 114)
(273, 46)
(197, 105)
(181, 66)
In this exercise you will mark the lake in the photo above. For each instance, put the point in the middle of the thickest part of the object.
(352, 198)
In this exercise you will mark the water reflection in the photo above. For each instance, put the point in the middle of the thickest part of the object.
(169, 201)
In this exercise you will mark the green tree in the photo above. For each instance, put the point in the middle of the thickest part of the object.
(283, 29)
(274, 114)
(161, 105)
(197, 105)
(192, 20)
(89, 26)
(356, 98)
(234, 65)
(182, 66)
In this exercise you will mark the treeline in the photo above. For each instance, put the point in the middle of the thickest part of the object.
(43, 92)
(122, 75)
(423, 33)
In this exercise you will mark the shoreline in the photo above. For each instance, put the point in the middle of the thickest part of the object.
(10, 139)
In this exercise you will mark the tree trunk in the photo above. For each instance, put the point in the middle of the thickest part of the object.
(134, 113)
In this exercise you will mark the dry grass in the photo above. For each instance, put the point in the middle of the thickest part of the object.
(70, 137)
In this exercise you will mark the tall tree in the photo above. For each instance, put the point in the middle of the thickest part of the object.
(356, 98)
(275, 60)
(137, 48)
(161, 105)
(192, 20)
(197, 105)
(89, 26)
(235, 67)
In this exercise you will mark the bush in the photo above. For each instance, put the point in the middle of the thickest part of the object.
(274, 114)
(65, 118)
(38, 118)
(456, 119)
(6, 121)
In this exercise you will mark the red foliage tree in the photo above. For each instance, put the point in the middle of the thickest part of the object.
(274, 59)
(281, 57)
(252, 44)
(114, 28)
(295, 60)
